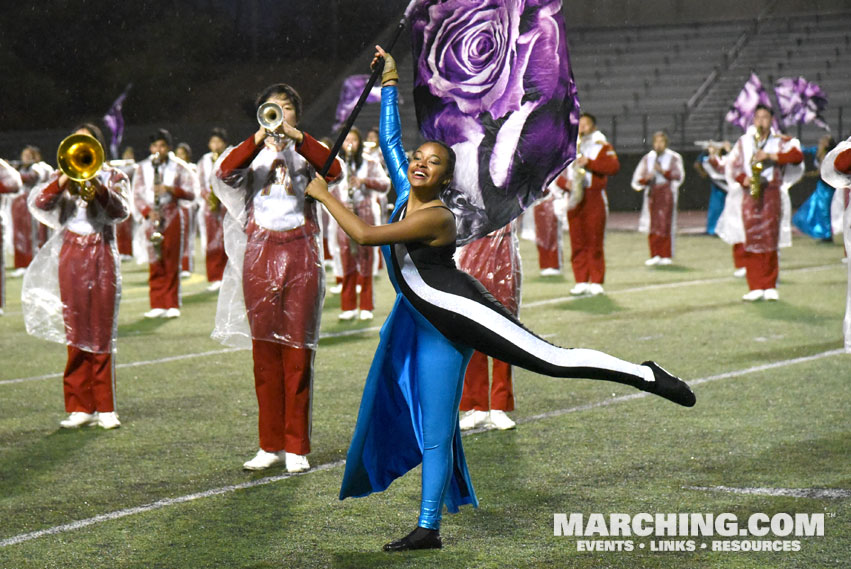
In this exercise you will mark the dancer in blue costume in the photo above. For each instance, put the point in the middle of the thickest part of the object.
(813, 217)
(710, 164)
(409, 409)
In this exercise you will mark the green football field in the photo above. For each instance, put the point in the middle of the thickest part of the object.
(770, 435)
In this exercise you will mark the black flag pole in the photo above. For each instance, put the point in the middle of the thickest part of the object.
(376, 73)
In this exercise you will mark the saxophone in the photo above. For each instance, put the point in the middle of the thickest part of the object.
(212, 200)
(756, 171)
(157, 236)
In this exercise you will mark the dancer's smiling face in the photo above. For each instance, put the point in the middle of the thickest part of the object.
(430, 167)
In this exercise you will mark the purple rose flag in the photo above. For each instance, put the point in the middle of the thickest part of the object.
(744, 107)
(114, 120)
(800, 101)
(350, 93)
(492, 79)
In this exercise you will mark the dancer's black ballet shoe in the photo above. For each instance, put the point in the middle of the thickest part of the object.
(420, 538)
(669, 386)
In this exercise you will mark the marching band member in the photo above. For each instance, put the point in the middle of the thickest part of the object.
(659, 175)
(494, 260)
(10, 183)
(124, 230)
(28, 233)
(82, 250)
(549, 212)
(189, 213)
(365, 178)
(160, 182)
(588, 206)
(836, 171)
(213, 211)
(272, 291)
(764, 164)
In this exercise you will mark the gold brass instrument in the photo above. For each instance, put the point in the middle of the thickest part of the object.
(270, 116)
(80, 157)
(213, 201)
(577, 188)
(756, 171)
(157, 236)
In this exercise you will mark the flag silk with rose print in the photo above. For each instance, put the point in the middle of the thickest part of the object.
(492, 79)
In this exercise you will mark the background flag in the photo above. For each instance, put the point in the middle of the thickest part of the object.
(800, 101)
(744, 107)
(350, 93)
(115, 121)
(492, 79)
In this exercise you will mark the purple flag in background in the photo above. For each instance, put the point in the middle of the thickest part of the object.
(800, 101)
(744, 107)
(492, 79)
(115, 121)
(350, 93)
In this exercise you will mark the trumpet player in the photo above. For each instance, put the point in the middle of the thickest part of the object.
(82, 202)
(836, 171)
(586, 216)
(160, 182)
(272, 291)
(212, 210)
(659, 174)
(10, 184)
(763, 165)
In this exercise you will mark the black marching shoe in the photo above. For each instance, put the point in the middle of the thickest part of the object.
(669, 386)
(420, 538)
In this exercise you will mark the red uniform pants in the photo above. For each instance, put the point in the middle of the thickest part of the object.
(761, 218)
(661, 205)
(283, 381)
(216, 258)
(358, 263)
(547, 235)
(164, 271)
(475, 395)
(587, 231)
(739, 255)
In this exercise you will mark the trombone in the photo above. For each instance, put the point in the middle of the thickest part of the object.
(80, 157)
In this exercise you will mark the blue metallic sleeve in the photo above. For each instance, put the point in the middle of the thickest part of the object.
(390, 134)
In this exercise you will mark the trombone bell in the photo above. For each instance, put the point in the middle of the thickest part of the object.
(80, 156)
(270, 115)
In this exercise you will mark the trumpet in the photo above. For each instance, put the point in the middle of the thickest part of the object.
(270, 116)
(80, 157)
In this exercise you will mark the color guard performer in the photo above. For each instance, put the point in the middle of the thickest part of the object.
(160, 182)
(272, 291)
(72, 288)
(588, 206)
(764, 164)
(10, 184)
(659, 175)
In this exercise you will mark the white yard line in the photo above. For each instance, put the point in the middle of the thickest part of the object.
(323, 336)
(816, 493)
(327, 466)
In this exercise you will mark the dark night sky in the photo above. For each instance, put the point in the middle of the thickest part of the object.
(188, 61)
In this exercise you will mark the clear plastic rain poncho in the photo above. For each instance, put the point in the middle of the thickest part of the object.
(72, 288)
(842, 182)
(731, 225)
(274, 282)
(494, 260)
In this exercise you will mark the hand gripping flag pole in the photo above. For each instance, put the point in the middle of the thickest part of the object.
(376, 73)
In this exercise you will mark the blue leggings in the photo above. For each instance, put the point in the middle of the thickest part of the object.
(441, 365)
